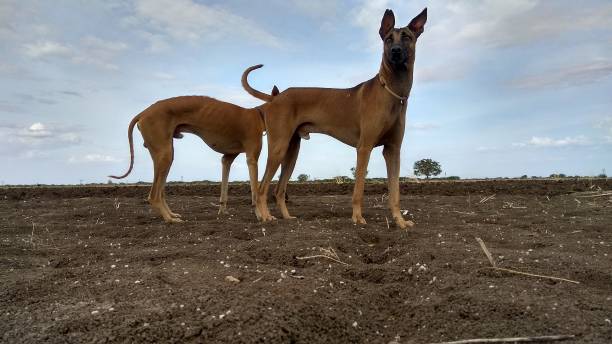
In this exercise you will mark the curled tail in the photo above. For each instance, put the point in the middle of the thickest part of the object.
(255, 93)
(131, 140)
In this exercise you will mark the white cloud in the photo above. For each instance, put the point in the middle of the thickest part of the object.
(422, 126)
(42, 135)
(98, 52)
(186, 20)
(90, 50)
(605, 124)
(507, 23)
(157, 43)
(36, 130)
(6, 11)
(466, 30)
(36, 140)
(537, 141)
(43, 49)
(317, 8)
(164, 76)
(93, 158)
(567, 77)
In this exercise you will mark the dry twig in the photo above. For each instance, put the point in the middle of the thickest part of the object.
(483, 200)
(494, 267)
(464, 212)
(327, 253)
(532, 275)
(511, 340)
(486, 251)
(596, 195)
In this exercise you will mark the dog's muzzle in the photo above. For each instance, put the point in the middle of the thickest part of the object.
(397, 55)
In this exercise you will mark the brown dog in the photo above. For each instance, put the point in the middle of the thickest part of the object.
(368, 115)
(227, 128)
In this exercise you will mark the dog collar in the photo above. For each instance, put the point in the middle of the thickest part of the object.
(384, 84)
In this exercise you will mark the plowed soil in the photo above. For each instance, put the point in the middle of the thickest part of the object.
(95, 264)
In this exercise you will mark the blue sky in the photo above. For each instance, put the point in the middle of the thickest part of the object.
(502, 88)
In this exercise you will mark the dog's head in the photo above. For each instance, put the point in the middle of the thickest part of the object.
(400, 44)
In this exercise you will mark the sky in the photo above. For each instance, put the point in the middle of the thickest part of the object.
(502, 88)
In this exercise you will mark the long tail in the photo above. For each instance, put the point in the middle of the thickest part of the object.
(255, 93)
(131, 140)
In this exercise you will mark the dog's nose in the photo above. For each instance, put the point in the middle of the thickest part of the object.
(396, 50)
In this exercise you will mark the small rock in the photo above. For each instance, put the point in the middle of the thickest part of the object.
(354, 324)
(232, 279)
(94, 312)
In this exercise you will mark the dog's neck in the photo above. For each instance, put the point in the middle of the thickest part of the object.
(399, 79)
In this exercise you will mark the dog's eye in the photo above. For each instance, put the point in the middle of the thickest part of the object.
(405, 36)
(388, 40)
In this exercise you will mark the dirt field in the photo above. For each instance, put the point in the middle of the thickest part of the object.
(93, 264)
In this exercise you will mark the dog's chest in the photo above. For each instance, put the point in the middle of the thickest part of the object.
(392, 117)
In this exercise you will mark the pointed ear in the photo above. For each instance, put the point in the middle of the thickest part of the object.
(417, 25)
(275, 91)
(387, 24)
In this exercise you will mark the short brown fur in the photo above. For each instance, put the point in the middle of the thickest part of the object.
(365, 116)
(226, 128)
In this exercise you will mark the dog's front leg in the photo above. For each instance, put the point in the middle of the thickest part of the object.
(363, 157)
(252, 164)
(391, 153)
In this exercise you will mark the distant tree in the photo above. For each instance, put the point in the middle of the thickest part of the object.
(558, 175)
(524, 176)
(354, 172)
(427, 167)
(303, 178)
(602, 174)
(110, 182)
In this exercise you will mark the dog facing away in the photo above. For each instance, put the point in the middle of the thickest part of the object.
(368, 115)
(226, 128)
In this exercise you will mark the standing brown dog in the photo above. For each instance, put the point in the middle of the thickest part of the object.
(226, 128)
(368, 115)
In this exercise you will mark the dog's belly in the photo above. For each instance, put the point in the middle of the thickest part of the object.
(349, 137)
(217, 141)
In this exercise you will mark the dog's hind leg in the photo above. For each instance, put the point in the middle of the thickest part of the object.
(277, 149)
(287, 167)
(226, 162)
(162, 160)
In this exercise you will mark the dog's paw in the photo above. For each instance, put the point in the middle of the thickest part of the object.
(174, 220)
(359, 220)
(268, 218)
(175, 215)
(404, 224)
